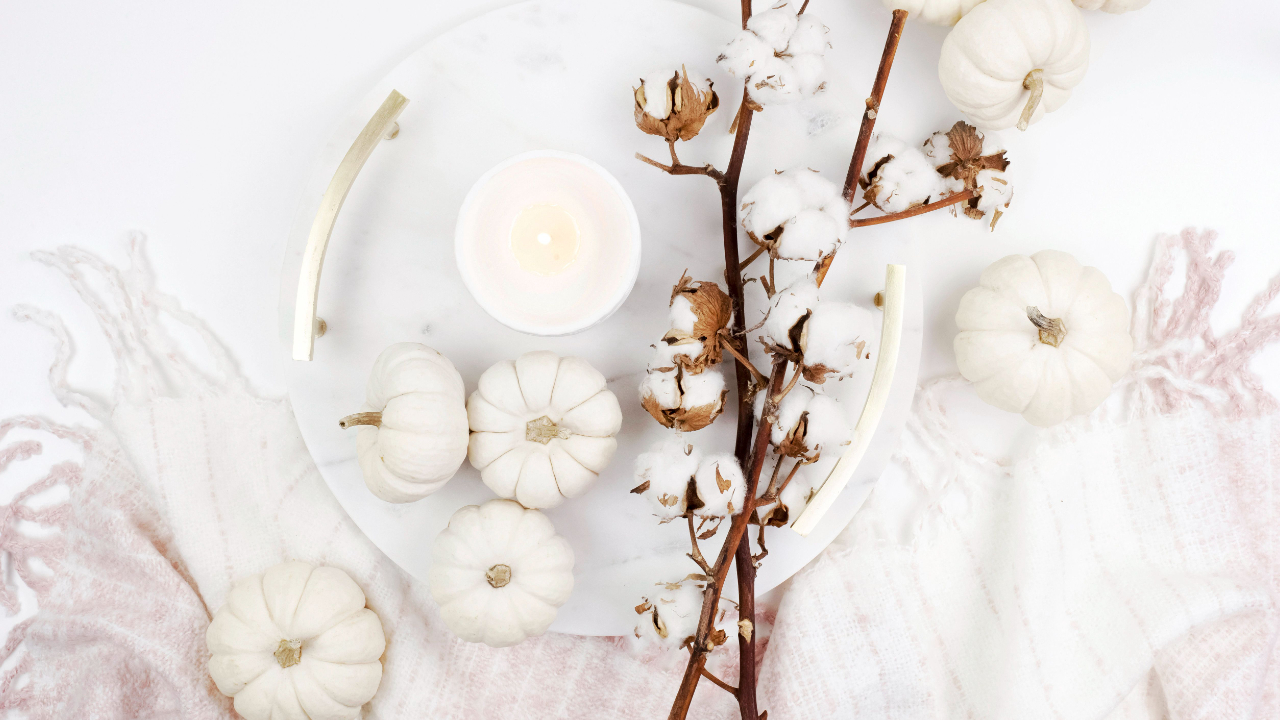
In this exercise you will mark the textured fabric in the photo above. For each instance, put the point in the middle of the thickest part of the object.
(1124, 567)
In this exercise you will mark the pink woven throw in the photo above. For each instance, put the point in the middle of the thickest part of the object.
(1124, 566)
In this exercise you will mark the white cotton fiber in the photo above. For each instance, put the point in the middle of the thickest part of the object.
(702, 389)
(788, 306)
(657, 98)
(682, 315)
(667, 467)
(721, 486)
(833, 333)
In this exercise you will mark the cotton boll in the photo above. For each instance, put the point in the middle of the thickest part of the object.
(667, 469)
(682, 315)
(996, 189)
(882, 145)
(938, 149)
(702, 390)
(813, 233)
(809, 72)
(662, 388)
(815, 190)
(907, 180)
(770, 203)
(787, 308)
(826, 426)
(774, 26)
(796, 215)
(778, 56)
(796, 495)
(666, 356)
(743, 54)
(774, 82)
(991, 143)
(835, 338)
(670, 616)
(790, 411)
(810, 36)
(721, 486)
(657, 97)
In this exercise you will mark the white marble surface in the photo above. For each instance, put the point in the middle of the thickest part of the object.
(553, 74)
(199, 124)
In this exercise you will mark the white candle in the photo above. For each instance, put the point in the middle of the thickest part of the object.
(548, 243)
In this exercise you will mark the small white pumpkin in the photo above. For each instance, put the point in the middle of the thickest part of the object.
(938, 12)
(542, 428)
(413, 434)
(296, 643)
(1043, 336)
(1111, 6)
(1008, 62)
(499, 572)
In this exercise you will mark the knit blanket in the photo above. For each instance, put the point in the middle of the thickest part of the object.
(1122, 565)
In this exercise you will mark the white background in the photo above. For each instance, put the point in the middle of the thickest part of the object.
(197, 123)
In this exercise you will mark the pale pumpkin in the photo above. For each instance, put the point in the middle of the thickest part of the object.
(296, 643)
(1043, 336)
(542, 428)
(938, 12)
(1008, 62)
(499, 573)
(413, 427)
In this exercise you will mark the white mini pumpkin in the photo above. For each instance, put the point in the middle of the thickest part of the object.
(296, 643)
(499, 572)
(938, 12)
(413, 434)
(542, 428)
(1043, 336)
(1008, 62)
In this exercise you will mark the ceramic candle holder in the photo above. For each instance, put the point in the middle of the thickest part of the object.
(548, 243)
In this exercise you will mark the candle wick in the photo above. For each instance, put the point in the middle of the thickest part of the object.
(544, 238)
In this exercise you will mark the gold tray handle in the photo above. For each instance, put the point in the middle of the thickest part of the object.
(306, 326)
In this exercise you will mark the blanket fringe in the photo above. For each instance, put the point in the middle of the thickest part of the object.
(149, 364)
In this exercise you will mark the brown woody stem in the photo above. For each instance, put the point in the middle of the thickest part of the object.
(696, 555)
(361, 418)
(679, 169)
(727, 687)
(917, 210)
(873, 103)
(1034, 81)
(737, 355)
(728, 183)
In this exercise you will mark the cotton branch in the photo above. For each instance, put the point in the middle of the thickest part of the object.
(873, 103)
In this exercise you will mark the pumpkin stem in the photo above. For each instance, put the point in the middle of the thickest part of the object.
(363, 418)
(1052, 330)
(1034, 81)
(289, 653)
(498, 575)
(544, 430)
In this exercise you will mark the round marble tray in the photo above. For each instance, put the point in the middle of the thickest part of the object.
(554, 74)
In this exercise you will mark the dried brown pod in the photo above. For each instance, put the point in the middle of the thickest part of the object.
(700, 310)
(684, 107)
(967, 161)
